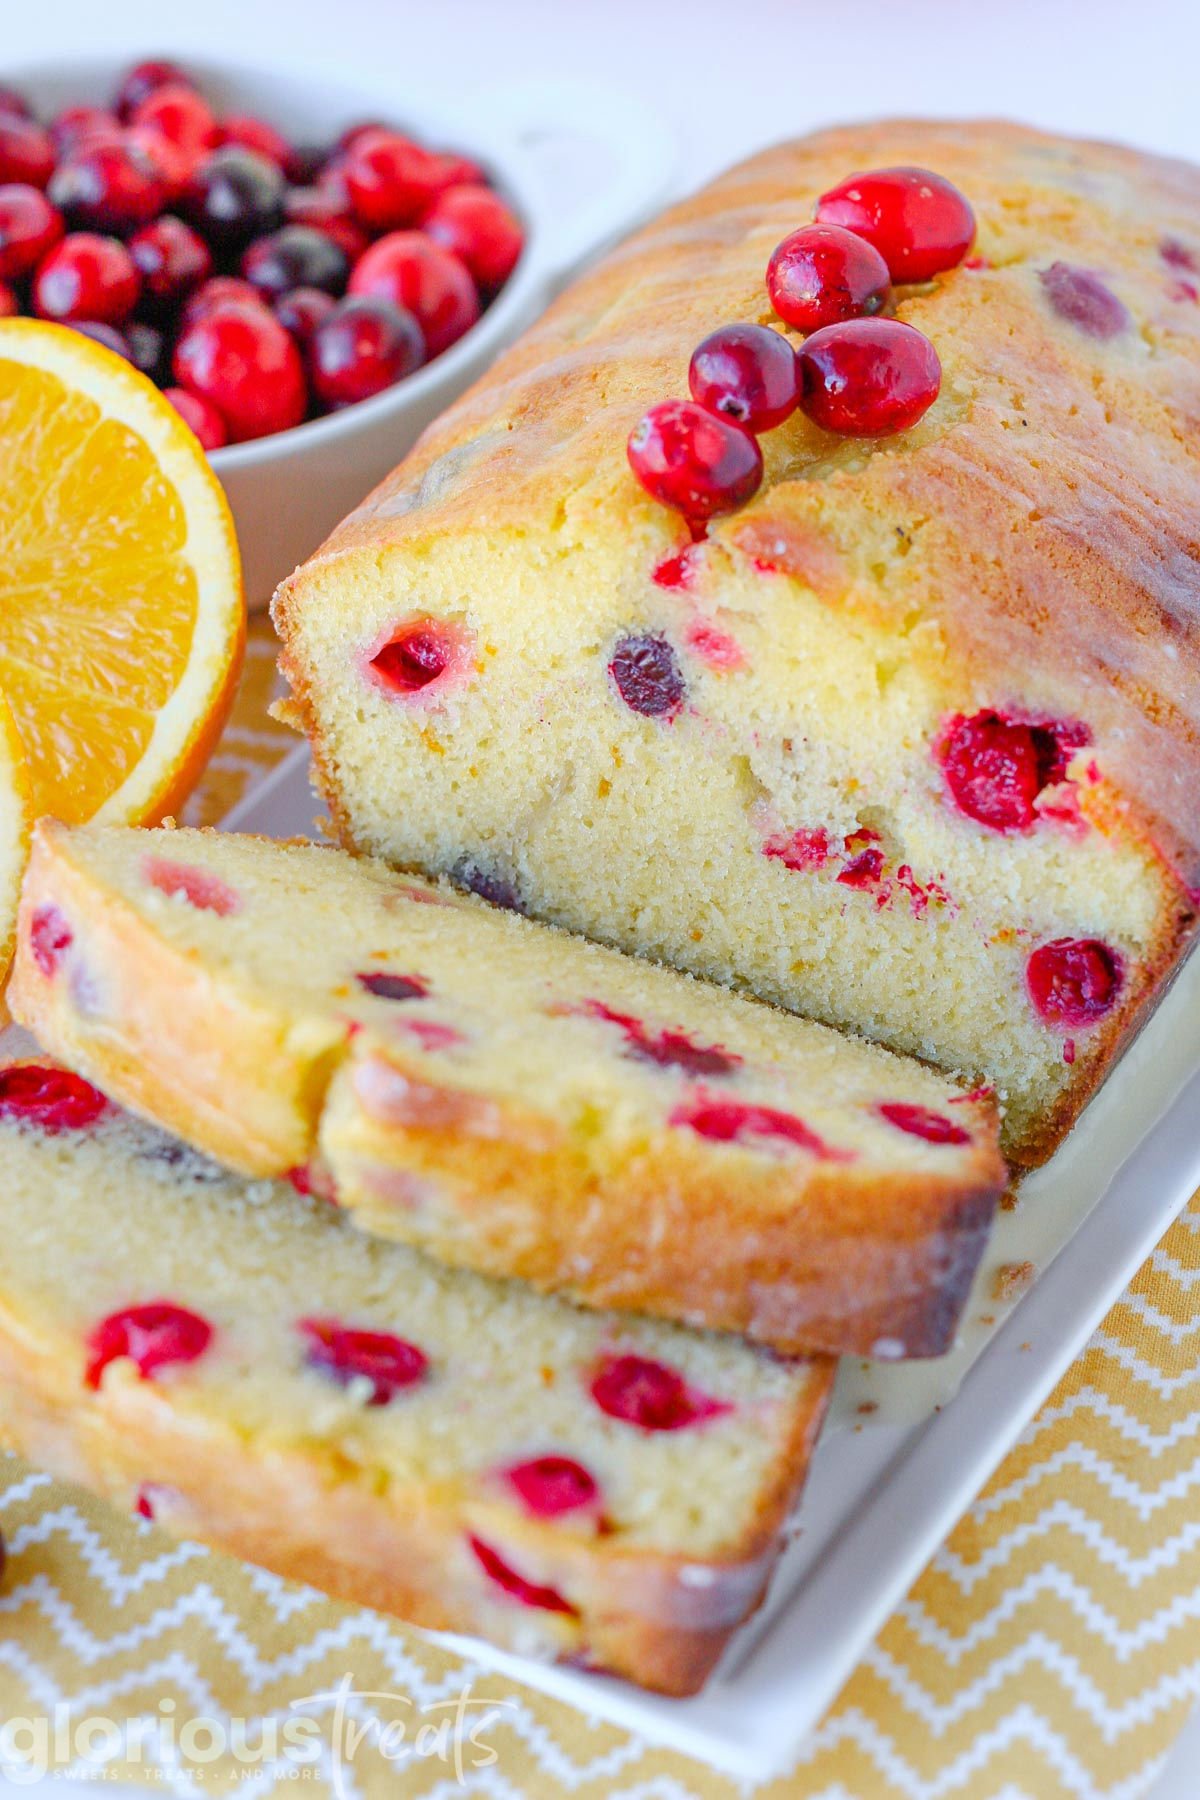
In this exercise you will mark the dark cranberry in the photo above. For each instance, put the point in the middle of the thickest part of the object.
(109, 187)
(51, 1098)
(1080, 297)
(14, 105)
(390, 180)
(647, 676)
(996, 767)
(305, 162)
(414, 273)
(50, 937)
(1073, 981)
(1176, 255)
(747, 372)
(29, 227)
(255, 134)
(296, 256)
(200, 416)
(668, 1049)
(868, 377)
(87, 277)
(822, 274)
(529, 1593)
(211, 294)
(490, 885)
(650, 1395)
(26, 151)
(363, 347)
(108, 335)
(479, 228)
(143, 79)
(146, 349)
(172, 260)
(234, 197)
(200, 888)
(389, 1364)
(181, 115)
(79, 124)
(923, 1122)
(302, 310)
(152, 1337)
(240, 359)
(386, 986)
(10, 302)
(549, 1486)
(863, 870)
(688, 458)
(919, 222)
(730, 1121)
(418, 653)
(314, 206)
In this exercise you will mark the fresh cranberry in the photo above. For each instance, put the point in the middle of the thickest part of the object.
(729, 1121)
(919, 222)
(171, 259)
(152, 1337)
(200, 416)
(647, 676)
(414, 273)
(49, 1097)
(529, 1593)
(26, 151)
(234, 197)
(181, 115)
(199, 887)
(386, 986)
(50, 937)
(389, 1363)
(390, 180)
(315, 207)
(549, 1486)
(1080, 297)
(295, 256)
(216, 292)
(305, 163)
(923, 1122)
(360, 129)
(87, 277)
(175, 166)
(650, 1395)
(301, 311)
(10, 302)
(996, 767)
(690, 459)
(108, 335)
(1073, 981)
(14, 105)
(747, 372)
(240, 359)
(83, 124)
(479, 228)
(457, 170)
(29, 227)
(417, 654)
(109, 187)
(868, 377)
(143, 79)
(255, 134)
(363, 347)
(821, 274)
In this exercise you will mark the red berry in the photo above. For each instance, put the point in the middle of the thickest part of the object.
(390, 180)
(296, 256)
(868, 377)
(995, 767)
(529, 1593)
(198, 887)
(257, 135)
(324, 212)
(688, 458)
(109, 186)
(83, 124)
(386, 986)
(388, 1363)
(13, 104)
(918, 221)
(50, 937)
(301, 311)
(650, 1395)
(923, 1122)
(1080, 297)
(418, 653)
(26, 151)
(731, 1121)
(414, 273)
(240, 359)
(143, 79)
(457, 170)
(172, 260)
(1073, 981)
(363, 347)
(822, 274)
(863, 870)
(29, 227)
(200, 416)
(178, 113)
(50, 1098)
(216, 292)
(477, 225)
(10, 304)
(549, 1486)
(152, 1337)
(87, 277)
(646, 674)
(747, 372)
(234, 197)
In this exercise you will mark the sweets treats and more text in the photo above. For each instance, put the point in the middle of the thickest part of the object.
(760, 720)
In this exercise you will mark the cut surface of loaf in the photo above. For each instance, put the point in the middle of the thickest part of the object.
(509, 1097)
(910, 743)
(232, 1360)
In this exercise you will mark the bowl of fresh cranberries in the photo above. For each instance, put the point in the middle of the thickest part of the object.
(309, 271)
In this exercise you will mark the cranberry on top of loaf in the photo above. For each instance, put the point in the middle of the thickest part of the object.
(506, 1096)
(910, 741)
(230, 1359)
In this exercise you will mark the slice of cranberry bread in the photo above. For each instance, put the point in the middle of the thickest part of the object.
(232, 1360)
(506, 1096)
(910, 742)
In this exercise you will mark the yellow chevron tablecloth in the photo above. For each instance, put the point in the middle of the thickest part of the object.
(1051, 1651)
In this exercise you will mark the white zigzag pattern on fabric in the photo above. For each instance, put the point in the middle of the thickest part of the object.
(1065, 1514)
(1166, 1386)
(1176, 1331)
(1094, 1400)
(1163, 1263)
(119, 1584)
(1145, 1502)
(1125, 1642)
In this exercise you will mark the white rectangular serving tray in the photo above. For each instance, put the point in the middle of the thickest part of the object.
(882, 1498)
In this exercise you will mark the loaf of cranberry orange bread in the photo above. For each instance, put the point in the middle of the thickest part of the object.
(232, 1360)
(508, 1097)
(907, 741)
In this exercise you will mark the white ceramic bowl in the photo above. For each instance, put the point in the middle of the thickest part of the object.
(287, 491)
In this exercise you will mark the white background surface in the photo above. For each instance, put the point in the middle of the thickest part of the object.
(727, 77)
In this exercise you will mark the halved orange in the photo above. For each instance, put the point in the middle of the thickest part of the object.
(122, 622)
